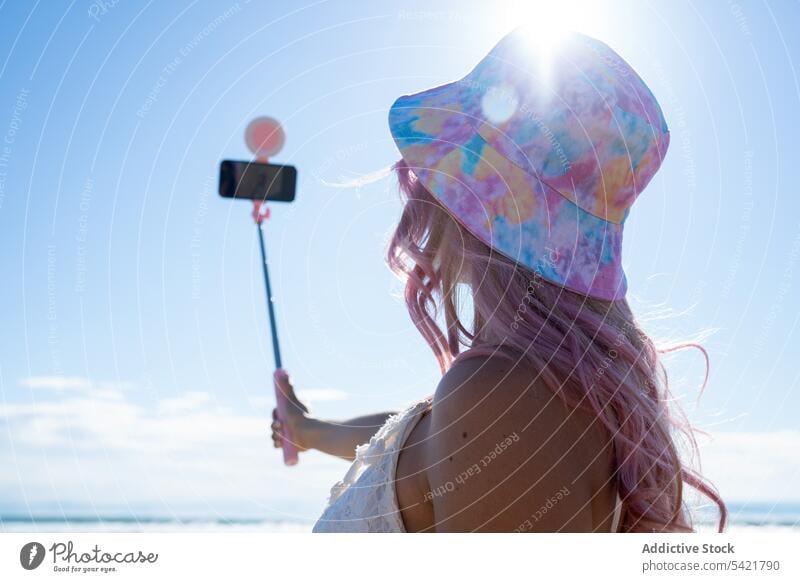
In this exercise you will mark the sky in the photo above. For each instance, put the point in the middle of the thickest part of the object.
(135, 358)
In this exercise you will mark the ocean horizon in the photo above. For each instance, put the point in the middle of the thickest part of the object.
(768, 517)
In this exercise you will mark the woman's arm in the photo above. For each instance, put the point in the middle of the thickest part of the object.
(338, 438)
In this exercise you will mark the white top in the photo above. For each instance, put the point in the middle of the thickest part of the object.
(365, 499)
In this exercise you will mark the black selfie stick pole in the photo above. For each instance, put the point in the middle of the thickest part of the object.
(276, 350)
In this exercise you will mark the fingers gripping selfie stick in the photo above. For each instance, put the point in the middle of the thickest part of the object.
(265, 137)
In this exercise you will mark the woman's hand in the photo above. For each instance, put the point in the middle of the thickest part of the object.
(296, 420)
(335, 438)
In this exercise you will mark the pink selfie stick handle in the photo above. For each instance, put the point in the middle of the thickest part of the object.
(289, 450)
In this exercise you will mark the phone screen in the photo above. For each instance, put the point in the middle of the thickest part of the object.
(257, 181)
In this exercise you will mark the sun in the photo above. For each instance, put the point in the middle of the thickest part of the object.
(550, 19)
(546, 23)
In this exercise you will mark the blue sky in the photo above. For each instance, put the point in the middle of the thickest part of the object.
(134, 354)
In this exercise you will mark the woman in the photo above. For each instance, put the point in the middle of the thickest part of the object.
(517, 180)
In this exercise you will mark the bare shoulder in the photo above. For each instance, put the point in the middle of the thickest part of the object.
(501, 445)
(480, 389)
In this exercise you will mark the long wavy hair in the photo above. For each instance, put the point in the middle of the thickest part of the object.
(590, 353)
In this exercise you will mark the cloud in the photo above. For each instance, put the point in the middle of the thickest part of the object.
(754, 466)
(186, 402)
(102, 449)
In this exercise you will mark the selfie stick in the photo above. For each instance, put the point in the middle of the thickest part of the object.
(264, 136)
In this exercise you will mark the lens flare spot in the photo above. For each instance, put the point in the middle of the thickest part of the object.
(499, 103)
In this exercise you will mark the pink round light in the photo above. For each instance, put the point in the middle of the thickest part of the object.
(264, 136)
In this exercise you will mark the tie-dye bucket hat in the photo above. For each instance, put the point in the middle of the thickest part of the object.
(540, 153)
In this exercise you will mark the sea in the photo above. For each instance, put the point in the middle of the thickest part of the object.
(767, 517)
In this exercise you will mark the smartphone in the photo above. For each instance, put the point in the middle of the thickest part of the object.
(257, 181)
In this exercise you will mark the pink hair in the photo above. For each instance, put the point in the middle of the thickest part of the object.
(590, 353)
